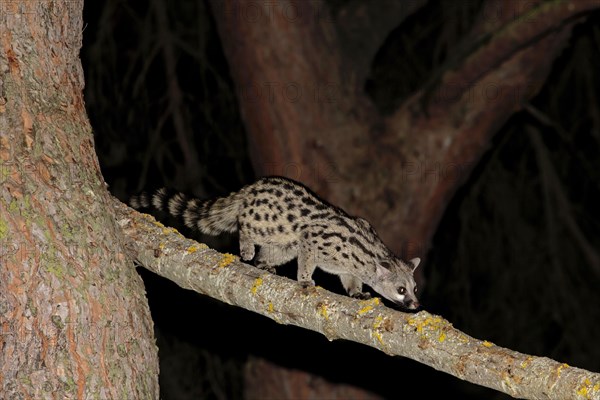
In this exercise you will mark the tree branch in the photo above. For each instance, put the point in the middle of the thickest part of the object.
(423, 337)
(450, 123)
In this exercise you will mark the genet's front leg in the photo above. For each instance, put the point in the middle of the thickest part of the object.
(306, 268)
(353, 287)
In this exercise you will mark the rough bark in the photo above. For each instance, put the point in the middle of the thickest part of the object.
(74, 321)
(423, 337)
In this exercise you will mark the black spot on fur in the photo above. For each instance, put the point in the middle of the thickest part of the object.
(280, 228)
(291, 217)
(346, 256)
(257, 217)
(304, 212)
(329, 235)
(320, 216)
(361, 246)
(342, 222)
(288, 186)
(308, 201)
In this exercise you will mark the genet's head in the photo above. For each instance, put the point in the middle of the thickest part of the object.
(395, 281)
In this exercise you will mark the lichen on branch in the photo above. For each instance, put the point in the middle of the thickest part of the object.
(423, 337)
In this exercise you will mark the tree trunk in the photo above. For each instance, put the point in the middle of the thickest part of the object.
(74, 319)
(309, 118)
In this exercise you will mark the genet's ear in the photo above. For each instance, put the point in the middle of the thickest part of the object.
(382, 273)
(415, 263)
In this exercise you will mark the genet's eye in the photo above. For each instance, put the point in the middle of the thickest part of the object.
(415, 290)
(402, 290)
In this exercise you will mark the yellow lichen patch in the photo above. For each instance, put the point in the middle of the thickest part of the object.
(257, 283)
(155, 222)
(583, 391)
(463, 338)
(369, 305)
(586, 388)
(323, 311)
(379, 321)
(192, 249)
(374, 301)
(527, 361)
(168, 230)
(270, 308)
(226, 260)
(559, 369)
(431, 323)
(487, 344)
(365, 309)
(378, 337)
(442, 337)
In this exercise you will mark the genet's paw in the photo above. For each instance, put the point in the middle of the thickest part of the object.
(361, 296)
(308, 286)
(247, 253)
(265, 267)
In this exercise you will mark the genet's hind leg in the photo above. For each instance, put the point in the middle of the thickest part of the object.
(246, 246)
(271, 256)
(353, 286)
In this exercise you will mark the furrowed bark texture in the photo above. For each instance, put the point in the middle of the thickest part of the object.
(74, 321)
(308, 117)
(423, 337)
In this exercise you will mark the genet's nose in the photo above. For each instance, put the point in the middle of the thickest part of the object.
(413, 305)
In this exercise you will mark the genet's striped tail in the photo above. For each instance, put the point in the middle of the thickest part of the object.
(210, 217)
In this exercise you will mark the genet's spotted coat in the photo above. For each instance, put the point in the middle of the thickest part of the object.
(287, 220)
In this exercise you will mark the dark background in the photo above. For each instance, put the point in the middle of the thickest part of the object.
(504, 266)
